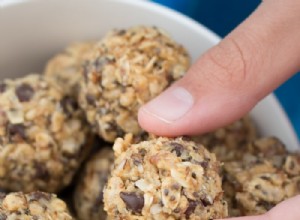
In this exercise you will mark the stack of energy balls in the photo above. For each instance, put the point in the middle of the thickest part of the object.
(51, 123)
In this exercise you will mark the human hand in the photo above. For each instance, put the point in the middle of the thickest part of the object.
(228, 80)
(287, 210)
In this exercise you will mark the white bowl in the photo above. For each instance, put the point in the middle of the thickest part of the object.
(32, 31)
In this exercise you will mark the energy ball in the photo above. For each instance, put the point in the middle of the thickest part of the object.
(164, 179)
(88, 196)
(266, 175)
(229, 143)
(34, 205)
(43, 135)
(65, 68)
(129, 67)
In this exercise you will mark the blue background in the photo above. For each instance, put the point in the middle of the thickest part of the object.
(222, 17)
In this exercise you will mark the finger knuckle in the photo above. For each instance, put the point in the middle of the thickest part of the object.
(227, 62)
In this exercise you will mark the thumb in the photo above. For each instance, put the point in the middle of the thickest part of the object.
(288, 210)
(229, 79)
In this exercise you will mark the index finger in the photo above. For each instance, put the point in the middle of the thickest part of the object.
(287, 210)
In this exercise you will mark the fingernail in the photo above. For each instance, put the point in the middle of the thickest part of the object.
(171, 105)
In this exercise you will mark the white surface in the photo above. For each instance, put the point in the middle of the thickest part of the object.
(32, 31)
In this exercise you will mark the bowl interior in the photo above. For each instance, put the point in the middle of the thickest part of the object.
(32, 31)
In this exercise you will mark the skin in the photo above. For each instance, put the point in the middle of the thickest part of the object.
(228, 80)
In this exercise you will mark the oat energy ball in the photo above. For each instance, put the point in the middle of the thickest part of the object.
(65, 68)
(265, 176)
(42, 135)
(129, 68)
(229, 142)
(165, 179)
(34, 205)
(88, 196)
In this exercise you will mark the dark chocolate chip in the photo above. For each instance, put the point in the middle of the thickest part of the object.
(204, 164)
(196, 194)
(175, 187)
(98, 202)
(177, 210)
(265, 178)
(189, 158)
(191, 208)
(121, 32)
(166, 192)
(178, 148)
(258, 187)
(41, 171)
(69, 105)
(205, 202)
(90, 99)
(194, 175)
(265, 204)
(17, 130)
(142, 152)
(101, 62)
(36, 196)
(133, 201)
(24, 92)
(2, 87)
(137, 159)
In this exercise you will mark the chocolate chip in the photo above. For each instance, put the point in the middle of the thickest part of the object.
(98, 202)
(101, 62)
(121, 32)
(133, 201)
(175, 187)
(265, 204)
(191, 208)
(266, 178)
(90, 99)
(258, 187)
(24, 92)
(177, 210)
(194, 175)
(204, 164)
(41, 171)
(69, 105)
(166, 192)
(205, 201)
(35, 196)
(17, 130)
(2, 87)
(137, 159)
(142, 152)
(196, 194)
(172, 198)
(178, 148)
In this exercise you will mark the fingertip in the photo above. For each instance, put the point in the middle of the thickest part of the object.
(288, 209)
